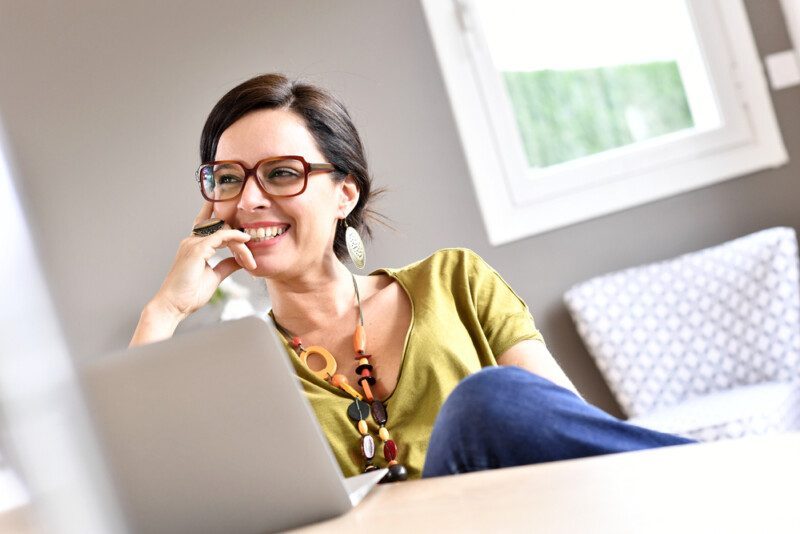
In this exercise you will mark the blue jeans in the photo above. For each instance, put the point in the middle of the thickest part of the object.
(507, 416)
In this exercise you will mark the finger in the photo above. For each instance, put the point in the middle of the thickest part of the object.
(226, 267)
(221, 238)
(243, 255)
(206, 247)
(205, 212)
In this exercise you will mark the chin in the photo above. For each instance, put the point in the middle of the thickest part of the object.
(271, 267)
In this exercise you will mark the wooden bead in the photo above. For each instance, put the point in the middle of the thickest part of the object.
(397, 473)
(368, 447)
(379, 412)
(363, 361)
(369, 379)
(360, 339)
(389, 450)
(370, 468)
(330, 361)
(338, 380)
(352, 392)
(358, 410)
(364, 369)
(362, 428)
(384, 434)
(367, 391)
(393, 462)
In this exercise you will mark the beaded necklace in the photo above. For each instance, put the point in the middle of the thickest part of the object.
(359, 410)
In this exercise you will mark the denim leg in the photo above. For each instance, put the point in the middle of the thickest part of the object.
(507, 416)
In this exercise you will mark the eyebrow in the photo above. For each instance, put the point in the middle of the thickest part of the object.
(224, 166)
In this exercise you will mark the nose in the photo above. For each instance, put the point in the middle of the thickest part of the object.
(253, 196)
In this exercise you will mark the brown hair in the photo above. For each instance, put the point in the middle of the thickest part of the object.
(326, 119)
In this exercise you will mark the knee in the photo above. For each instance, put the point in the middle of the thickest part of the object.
(494, 397)
(490, 412)
(494, 389)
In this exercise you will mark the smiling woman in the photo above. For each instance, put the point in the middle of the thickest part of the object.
(434, 325)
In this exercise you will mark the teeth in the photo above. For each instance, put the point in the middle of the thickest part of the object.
(265, 233)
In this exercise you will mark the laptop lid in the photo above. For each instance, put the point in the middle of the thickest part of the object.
(210, 432)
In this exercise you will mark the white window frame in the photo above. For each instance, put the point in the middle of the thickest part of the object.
(515, 205)
(791, 12)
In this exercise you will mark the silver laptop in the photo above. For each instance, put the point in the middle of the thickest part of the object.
(209, 432)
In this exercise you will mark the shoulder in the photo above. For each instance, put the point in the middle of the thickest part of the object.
(442, 261)
(449, 270)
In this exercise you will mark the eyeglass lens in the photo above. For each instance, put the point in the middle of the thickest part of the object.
(279, 177)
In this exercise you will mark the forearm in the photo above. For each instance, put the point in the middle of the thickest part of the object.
(156, 323)
(533, 356)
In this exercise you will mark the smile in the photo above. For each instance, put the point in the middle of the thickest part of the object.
(264, 233)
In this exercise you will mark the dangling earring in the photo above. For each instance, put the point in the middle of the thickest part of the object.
(355, 246)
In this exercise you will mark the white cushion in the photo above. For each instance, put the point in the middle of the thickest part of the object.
(704, 322)
(746, 410)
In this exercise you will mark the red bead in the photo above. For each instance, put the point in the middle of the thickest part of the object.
(296, 342)
(389, 450)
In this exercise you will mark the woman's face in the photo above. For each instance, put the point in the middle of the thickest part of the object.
(308, 221)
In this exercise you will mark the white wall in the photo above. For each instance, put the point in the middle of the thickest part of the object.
(104, 105)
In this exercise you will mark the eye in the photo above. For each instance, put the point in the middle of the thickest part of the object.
(282, 173)
(228, 179)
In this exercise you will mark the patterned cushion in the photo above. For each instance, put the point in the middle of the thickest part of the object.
(743, 411)
(704, 322)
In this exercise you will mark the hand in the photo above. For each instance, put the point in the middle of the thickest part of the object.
(191, 281)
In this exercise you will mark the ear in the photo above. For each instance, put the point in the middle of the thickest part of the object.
(348, 196)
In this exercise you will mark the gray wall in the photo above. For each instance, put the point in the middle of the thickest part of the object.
(104, 104)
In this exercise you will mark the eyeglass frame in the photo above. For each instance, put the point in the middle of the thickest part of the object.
(251, 171)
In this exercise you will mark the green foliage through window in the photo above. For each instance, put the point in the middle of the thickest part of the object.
(567, 114)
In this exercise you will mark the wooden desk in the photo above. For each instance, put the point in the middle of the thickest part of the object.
(744, 486)
(749, 486)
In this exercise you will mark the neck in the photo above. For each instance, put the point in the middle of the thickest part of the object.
(313, 301)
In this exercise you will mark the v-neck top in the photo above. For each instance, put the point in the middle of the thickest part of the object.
(463, 316)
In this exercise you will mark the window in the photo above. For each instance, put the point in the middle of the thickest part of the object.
(574, 109)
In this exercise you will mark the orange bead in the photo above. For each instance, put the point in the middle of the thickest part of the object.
(339, 380)
(367, 390)
(360, 339)
(362, 427)
(393, 462)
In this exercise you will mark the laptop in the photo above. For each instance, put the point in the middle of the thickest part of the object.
(206, 432)
(209, 431)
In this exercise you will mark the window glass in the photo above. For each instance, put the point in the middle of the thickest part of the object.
(583, 77)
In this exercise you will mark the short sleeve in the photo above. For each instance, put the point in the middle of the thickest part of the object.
(503, 315)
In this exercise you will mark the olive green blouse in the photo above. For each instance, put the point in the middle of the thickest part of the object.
(463, 315)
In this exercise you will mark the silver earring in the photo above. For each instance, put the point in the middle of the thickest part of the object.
(355, 246)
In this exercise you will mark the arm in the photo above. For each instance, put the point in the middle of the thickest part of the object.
(533, 356)
(191, 281)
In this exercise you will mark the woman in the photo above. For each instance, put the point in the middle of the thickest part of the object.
(431, 325)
